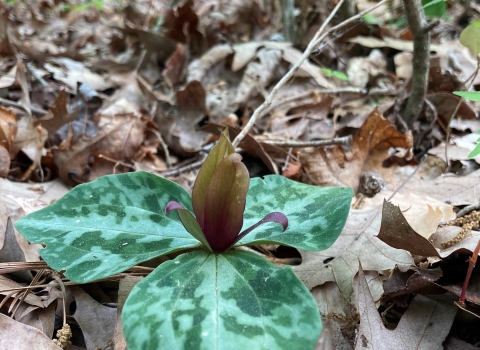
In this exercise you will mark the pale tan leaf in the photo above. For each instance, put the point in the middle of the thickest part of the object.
(18, 336)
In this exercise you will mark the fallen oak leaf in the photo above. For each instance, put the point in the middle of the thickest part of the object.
(424, 325)
(397, 233)
(370, 146)
(357, 242)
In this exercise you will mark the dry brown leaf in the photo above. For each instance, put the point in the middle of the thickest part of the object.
(58, 114)
(4, 162)
(17, 336)
(10, 251)
(175, 66)
(424, 325)
(460, 150)
(71, 73)
(199, 68)
(41, 319)
(397, 233)
(8, 284)
(371, 143)
(96, 320)
(407, 280)
(30, 140)
(22, 80)
(452, 189)
(357, 242)
(258, 74)
(180, 123)
(8, 128)
(422, 212)
(307, 69)
(126, 285)
(118, 140)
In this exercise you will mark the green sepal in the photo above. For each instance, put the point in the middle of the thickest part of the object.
(234, 300)
(192, 226)
(316, 215)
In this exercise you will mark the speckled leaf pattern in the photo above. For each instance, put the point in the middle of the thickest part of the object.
(109, 225)
(234, 300)
(316, 215)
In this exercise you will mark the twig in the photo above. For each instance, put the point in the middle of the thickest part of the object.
(424, 158)
(295, 137)
(64, 296)
(316, 40)
(468, 209)
(183, 169)
(347, 140)
(11, 103)
(421, 60)
(340, 90)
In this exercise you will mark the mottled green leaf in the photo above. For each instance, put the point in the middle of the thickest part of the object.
(108, 225)
(316, 215)
(235, 300)
(222, 149)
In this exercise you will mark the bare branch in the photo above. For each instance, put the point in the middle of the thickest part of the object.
(316, 40)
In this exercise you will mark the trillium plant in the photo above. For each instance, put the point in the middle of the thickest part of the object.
(214, 296)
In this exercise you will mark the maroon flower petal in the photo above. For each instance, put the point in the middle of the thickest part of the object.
(276, 216)
(222, 149)
(225, 203)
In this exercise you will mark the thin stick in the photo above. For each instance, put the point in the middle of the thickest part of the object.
(424, 158)
(184, 169)
(310, 48)
(64, 295)
(468, 209)
(347, 140)
(295, 137)
(11, 103)
(471, 264)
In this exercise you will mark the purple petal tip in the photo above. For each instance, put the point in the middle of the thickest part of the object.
(278, 217)
(172, 205)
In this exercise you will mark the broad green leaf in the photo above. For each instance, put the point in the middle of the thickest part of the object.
(470, 37)
(434, 8)
(316, 215)
(234, 300)
(476, 151)
(222, 149)
(109, 225)
(469, 95)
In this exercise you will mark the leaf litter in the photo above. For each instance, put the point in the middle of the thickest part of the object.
(94, 90)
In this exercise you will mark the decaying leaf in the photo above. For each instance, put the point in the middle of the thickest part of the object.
(96, 320)
(120, 135)
(339, 263)
(58, 114)
(16, 335)
(424, 325)
(371, 143)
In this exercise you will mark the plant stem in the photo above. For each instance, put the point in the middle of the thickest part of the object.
(421, 59)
